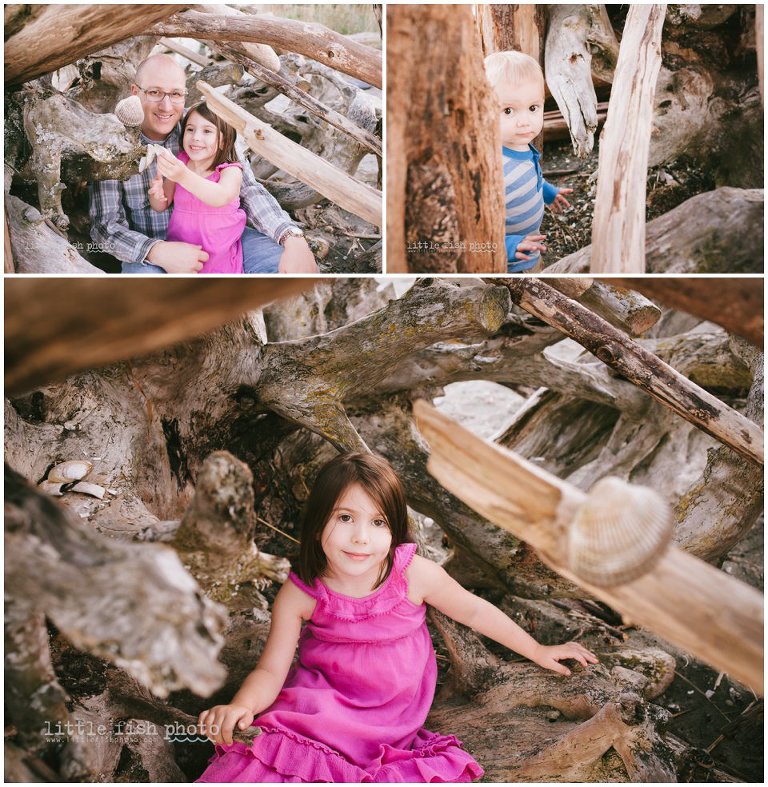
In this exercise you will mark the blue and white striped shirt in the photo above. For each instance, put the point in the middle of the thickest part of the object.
(525, 192)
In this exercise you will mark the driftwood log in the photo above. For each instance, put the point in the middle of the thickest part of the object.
(580, 42)
(310, 39)
(719, 231)
(675, 596)
(618, 229)
(40, 40)
(356, 197)
(342, 362)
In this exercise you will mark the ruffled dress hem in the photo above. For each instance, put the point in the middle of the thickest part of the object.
(281, 756)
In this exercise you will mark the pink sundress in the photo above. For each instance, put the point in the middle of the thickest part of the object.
(217, 230)
(353, 707)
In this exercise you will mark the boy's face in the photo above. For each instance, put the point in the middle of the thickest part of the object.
(521, 113)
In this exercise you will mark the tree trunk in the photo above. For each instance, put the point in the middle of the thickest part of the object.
(444, 175)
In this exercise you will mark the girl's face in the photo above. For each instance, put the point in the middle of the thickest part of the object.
(356, 538)
(201, 138)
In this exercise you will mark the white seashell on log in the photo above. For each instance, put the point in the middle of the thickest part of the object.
(130, 112)
(66, 472)
(619, 533)
(94, 490)
(51, 488)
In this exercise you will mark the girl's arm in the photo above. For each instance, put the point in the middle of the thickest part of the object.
(430, 583)
(261, 687)
(214, 194)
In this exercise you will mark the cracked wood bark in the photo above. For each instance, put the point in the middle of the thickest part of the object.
(664, 384)
(738, 307)
(580, 41)
(47, 338)
(337, 186)
(675, 598)
(618, 229)
(445, 208)
(289, 89)
(310, 39)
(60, 34)
(720, 231)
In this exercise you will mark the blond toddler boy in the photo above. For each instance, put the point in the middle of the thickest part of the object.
(518, 82)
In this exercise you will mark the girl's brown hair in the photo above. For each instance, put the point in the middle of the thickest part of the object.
(227, 135)
(379, 480)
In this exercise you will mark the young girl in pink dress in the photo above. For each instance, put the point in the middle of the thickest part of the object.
(352, 708)
(203, 184)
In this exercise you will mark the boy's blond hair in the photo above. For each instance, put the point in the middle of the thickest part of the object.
(512, 67)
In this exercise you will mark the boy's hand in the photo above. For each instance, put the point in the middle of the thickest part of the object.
(218, 722)
(530, 243)
(156, 189)
(550, 656)
(560, 203)
(170, 167)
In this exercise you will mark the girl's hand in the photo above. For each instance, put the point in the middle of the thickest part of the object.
(170, 167)
(550, 656)
(156, 189)
(219, 722)
(560, 203)
(530, 244)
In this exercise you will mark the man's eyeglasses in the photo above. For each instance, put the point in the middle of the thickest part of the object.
(155, 96)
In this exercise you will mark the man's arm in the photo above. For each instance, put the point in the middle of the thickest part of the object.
(109, 224)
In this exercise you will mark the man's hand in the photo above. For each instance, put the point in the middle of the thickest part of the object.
(530, 244)
(550, 656)
(560, 203)
(219, 722)
(297, 257)
(177, 257)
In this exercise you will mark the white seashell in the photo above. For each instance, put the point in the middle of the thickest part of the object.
(618, 533)
(66, 472)
(129, 111)
(94, 490)
(50, 488)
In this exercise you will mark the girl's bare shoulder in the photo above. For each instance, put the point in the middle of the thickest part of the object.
(293, 600)
(421, 575)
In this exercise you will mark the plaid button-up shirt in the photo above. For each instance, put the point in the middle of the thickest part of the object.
(125, 226)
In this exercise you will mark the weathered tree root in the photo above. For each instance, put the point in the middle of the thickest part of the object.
(525, 724)
(101, 594)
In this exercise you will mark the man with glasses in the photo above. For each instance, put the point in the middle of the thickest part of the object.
(125, 226)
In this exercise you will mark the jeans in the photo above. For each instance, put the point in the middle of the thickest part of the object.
(260, 255)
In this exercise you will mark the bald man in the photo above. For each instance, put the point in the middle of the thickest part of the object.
(125, 226)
